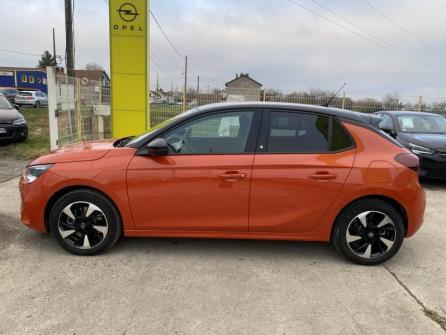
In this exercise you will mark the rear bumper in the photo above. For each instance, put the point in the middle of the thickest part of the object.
(13, 133)
(415, 211)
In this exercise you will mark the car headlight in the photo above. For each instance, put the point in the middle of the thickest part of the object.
(35, 171)
(419, 150)
(19, 121)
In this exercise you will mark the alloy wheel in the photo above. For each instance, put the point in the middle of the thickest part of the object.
(371, 234)
(82, 225)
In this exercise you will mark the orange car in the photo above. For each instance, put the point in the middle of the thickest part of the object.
(242, 171)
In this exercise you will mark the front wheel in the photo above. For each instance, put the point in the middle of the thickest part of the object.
(368, 232)
(37, 105)
(85, 222)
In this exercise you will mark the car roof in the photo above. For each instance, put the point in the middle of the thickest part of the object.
(341, 113)
(407, 113)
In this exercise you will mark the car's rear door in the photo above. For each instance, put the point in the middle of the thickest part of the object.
(204, 182)
(301, 164)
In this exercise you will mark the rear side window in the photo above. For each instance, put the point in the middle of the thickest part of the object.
(292, 132)
(340, 139)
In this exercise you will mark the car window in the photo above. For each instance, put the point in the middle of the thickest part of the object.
(340, 138)
(26, 94)
(386, 122)
(214, 134)
(422, 123)
(292, 132)
(4, 103)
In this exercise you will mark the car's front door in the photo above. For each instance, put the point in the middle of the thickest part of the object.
(203, 183)
(303, 160)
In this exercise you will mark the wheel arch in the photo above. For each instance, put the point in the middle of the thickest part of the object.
(394, 203)
(60, 193)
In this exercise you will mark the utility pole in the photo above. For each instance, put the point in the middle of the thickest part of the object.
(54, 46)
(185, 84)
(69, 38)
(157, 84)
(198, 90)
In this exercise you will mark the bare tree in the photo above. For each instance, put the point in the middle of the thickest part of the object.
(392, 101)
(94, 66)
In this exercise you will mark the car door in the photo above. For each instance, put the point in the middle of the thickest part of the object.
(44, 98)
(302, 162)
(203, 183)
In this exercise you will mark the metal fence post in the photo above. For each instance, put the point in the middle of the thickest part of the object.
(420, 102)
(343, 100)
(78, 109)
(52, 106)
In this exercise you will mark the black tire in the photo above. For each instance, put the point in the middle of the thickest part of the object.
(83, 197)
(348, 219)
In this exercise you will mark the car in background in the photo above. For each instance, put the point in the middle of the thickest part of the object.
(9, 93)
(13, 126)
(422, 133)
(31, 98)
(242, 171)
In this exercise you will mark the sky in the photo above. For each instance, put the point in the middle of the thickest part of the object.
(277, 42)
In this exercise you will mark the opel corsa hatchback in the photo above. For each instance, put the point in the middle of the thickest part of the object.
(243, 171)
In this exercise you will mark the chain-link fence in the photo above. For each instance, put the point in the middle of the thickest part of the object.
(82, 110)
(165, 105)
(82, 107)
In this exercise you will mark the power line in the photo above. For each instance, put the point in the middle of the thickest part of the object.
(358, 34)
(162, 68)
(160, 54)
(165, 35)
(373, 36)
(19, 52)
(407, 31)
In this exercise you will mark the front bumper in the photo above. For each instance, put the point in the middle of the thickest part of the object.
(9, 132)
(32, 211)
(433, 166)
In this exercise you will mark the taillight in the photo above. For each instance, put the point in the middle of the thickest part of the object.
(410, 160)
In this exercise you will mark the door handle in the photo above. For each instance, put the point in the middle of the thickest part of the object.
(232, 176)
(322, 175)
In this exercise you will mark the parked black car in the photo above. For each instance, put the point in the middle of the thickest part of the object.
(10, 94)
(422, 133)
(13, 126)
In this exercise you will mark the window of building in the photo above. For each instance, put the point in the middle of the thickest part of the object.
(31, 79)
(24, 78)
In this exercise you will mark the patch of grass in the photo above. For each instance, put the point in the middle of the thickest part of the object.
(38, 141)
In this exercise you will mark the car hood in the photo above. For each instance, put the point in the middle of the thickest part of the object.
(81, 152)
(432, 141)
(8, 115)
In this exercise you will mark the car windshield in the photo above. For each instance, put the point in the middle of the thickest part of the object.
(4, 103)
(430, 124)
(158, 126)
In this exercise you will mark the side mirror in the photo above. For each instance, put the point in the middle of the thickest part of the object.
(389, 131)
(16, 106)
(158, 147)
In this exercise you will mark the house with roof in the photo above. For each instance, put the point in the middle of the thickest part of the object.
(93, 75)
(243, 88)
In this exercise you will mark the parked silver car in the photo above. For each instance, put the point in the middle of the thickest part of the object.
(31, 98)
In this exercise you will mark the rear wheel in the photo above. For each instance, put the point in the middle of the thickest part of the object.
(368, 232)
(85, 222)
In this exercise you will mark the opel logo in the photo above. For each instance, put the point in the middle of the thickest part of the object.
(128, 12)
